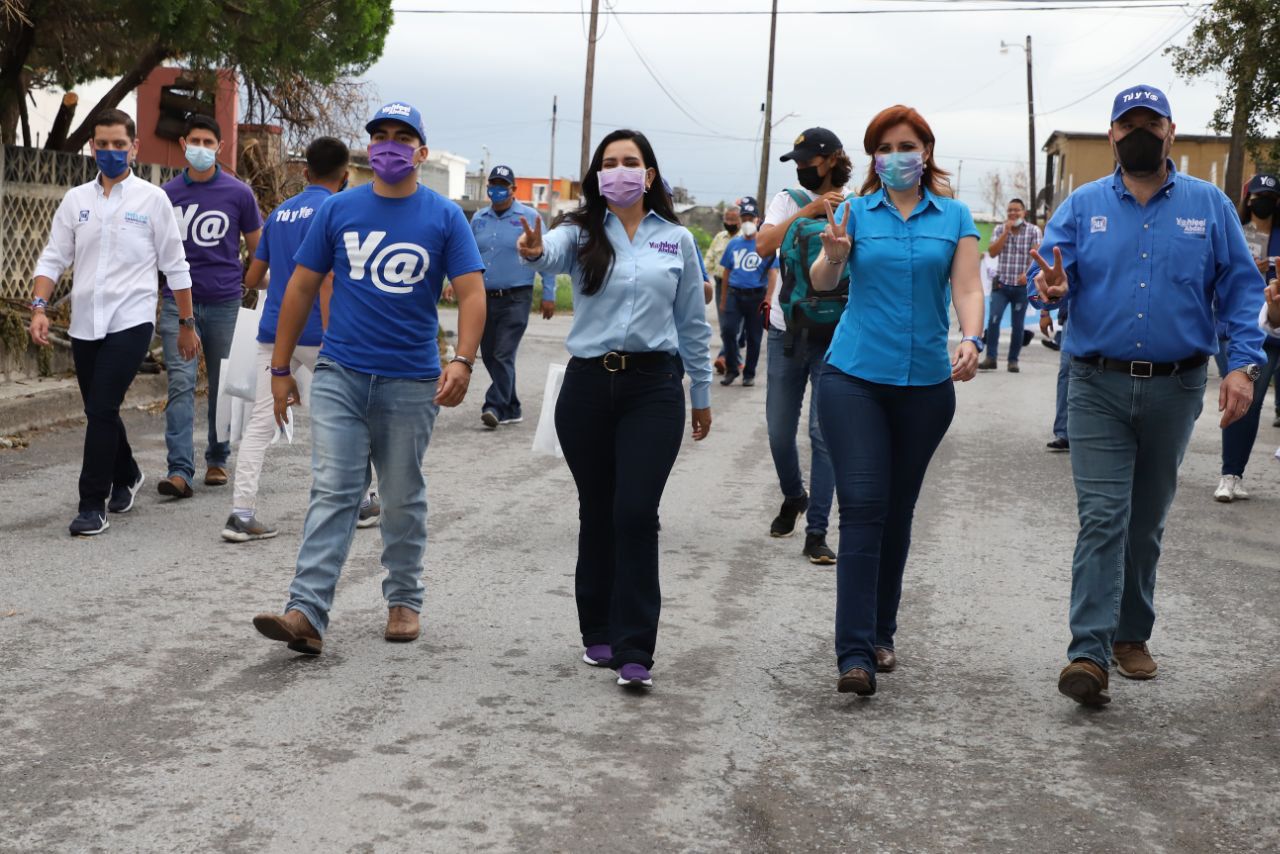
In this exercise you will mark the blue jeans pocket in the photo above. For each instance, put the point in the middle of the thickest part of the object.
(1083, 370)
(1193, 380)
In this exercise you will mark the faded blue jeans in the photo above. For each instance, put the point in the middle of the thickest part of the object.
(1128, 436)
(361, 423)
(216, 325)
(784, 395)
(1014, 298)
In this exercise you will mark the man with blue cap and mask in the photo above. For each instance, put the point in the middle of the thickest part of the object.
(1140, 256)
(508, 286)
(378, 382)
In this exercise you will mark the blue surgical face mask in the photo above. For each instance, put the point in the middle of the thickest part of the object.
(201, 158)
(498, 195)
(113, 162)
(900, 170)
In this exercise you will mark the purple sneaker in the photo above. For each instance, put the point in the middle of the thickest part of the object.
(635, 676)
(597, 655)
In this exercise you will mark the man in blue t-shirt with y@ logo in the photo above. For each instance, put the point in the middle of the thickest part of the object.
(378, 382)
(746, 275)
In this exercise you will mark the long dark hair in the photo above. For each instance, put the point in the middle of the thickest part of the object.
(595, 254)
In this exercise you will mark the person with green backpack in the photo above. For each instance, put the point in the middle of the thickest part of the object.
(796, 349)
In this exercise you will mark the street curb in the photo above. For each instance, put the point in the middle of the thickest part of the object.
(58, 401)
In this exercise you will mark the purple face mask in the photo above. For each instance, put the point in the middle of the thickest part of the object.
(622, 186)
(391, 161)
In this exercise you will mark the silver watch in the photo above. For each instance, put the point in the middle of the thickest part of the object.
(1251, 371)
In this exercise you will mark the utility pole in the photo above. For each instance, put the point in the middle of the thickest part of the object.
(585, 159)
(959, 176)
(551, 176)
(768, 110)
(1031, 139)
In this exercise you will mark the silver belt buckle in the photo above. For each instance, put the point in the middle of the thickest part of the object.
(1136, 370)
(621, 364)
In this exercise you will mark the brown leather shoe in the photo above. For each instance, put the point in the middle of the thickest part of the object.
(855, 680)
(402, 624)
(293, 628)
(215, 476)
(886, 661)
(1133, 661)
(175, 486)
(1084, 682)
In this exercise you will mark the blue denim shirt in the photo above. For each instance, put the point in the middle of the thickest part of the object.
(1143, 278)
(651, 300)
(894, 330)
(496, 235)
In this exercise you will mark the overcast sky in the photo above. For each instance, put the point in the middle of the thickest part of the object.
(488, 80)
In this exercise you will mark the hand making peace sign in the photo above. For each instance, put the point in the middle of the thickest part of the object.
(836, 244)
(529, 244)
(1051, 281)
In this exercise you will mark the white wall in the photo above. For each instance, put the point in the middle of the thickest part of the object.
(47, 102)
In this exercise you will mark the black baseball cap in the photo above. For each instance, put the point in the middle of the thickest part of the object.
(1263, 184)
(748, 207)
(815, 142)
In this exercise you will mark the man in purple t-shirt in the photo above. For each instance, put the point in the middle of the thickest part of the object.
(214, 210)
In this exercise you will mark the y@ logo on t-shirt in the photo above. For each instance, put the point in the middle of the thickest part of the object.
(745, 259)
(396, 268)
(203, 229)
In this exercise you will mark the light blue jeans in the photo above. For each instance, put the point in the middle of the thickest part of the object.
(216, 326)
(361, 423)
(1128, 436)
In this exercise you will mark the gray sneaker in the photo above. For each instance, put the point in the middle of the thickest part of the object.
(239, 531)
(371, 513)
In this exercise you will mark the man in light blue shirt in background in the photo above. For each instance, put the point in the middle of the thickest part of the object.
(1140, 257)
(508, 285)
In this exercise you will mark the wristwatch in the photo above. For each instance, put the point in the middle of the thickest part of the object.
(975, 341)
(470, 363)
(1251, 371)
(189, 322)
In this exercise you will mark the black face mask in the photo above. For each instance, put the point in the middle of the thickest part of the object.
(809, 178)
(1263, 206)
(1141, 152)
(732, 229)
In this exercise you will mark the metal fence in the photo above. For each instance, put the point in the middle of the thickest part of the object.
(32, 183)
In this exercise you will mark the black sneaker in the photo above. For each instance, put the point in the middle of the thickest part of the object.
(1059, 445)
(489, 419)
(748, 381)
(88, 523)
(817, 550)
(122, 496)
(239, 531)
(987, 365)
(784, 524)
(1276, 423)
(1052, 345)
(729, 377)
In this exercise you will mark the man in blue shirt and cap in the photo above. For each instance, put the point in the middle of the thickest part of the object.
(1140, 256)
(508, 285)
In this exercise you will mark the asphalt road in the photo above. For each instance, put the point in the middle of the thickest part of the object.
(140, 711)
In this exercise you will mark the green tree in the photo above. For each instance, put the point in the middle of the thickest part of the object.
(47, 43)
(1240, 40)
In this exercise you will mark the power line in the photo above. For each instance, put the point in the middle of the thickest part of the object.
(946, 9)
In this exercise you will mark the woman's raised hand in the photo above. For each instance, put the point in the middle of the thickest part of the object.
(529, 244)
(836, 244)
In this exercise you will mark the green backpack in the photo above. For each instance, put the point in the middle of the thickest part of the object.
(802, 306)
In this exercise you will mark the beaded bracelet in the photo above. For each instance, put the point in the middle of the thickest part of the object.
(280, 372)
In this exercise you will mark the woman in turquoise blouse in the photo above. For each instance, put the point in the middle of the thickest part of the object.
(885, 397)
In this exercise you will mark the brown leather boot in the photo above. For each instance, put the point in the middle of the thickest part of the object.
(402, 624)
(215, 476)
(293, 628)
(174, 486)
(1132, 659)
(1084, 682)
(855, 680)
(886, 661)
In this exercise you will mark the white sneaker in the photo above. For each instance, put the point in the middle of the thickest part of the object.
(1227, 490)
(1241, 494)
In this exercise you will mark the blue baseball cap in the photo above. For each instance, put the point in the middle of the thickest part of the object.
(1263, 184)
(747, 207)
(401, 112)
(1141, 96)
(503, 173)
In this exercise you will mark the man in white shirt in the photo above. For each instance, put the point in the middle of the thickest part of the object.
(115, 233)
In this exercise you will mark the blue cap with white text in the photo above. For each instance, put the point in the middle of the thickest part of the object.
(1141, 96)
(400, 112)
(503, 173)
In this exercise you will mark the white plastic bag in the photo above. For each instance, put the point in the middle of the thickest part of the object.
(233, 412)
(240, 371)
(545, 440)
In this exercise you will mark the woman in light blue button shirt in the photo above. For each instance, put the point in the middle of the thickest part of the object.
(639, 326)
(886, 396)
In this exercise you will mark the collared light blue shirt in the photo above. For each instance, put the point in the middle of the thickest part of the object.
(496, 235)
(651, 301)
(1142, 279)
(894, 330)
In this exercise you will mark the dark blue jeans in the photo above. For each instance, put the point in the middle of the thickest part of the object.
(788, 376)
(881, 439)
(1238, 439)
(742, 317)
(1013, 297)
(504, 326)
(1064, 379)
(620, 433)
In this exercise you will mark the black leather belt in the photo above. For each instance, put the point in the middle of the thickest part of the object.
(1144, 369)
(613, 362)
(506, 292)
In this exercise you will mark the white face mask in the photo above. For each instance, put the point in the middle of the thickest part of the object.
(748, 229)
(1017, 221)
